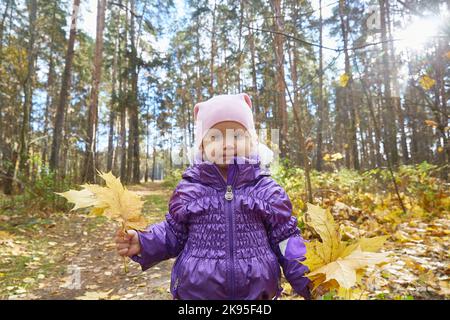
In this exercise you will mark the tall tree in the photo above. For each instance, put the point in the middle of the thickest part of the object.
(389, 111)
(320, 106)
(89, 172)
(64, 93)
(279, 75)
(28, 90)
(133, 145)
(352, 147)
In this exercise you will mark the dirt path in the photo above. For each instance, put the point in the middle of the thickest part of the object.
(91, 268)
(79, 259)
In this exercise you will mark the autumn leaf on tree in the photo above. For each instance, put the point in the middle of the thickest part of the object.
(113, 201)
(431, 123)
(426, 82)
(343, 80)
(337, 156)
(333, 157)
(335, 264)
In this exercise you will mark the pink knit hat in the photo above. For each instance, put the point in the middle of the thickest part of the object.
(227, 107)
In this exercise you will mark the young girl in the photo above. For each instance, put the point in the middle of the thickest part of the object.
(229, 223)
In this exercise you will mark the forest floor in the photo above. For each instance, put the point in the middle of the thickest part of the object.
(71, 256)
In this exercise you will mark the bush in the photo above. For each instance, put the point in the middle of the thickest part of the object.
(419, 187)
(39, 194)
(172, 178)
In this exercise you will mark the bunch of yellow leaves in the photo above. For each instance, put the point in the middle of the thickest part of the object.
(335, 264)
(333, 157)
(426, 82)
(343, 80)
(113, 201)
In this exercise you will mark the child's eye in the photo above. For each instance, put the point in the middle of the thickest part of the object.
(214, 138)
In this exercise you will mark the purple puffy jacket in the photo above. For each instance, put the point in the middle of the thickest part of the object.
(229, 237)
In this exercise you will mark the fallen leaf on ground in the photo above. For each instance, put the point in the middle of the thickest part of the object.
(334, 263)
(95, 295)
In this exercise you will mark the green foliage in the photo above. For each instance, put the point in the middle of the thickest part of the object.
(419, 186)
(172, 178)
(38, 194)
(417, 182)
(329, 295)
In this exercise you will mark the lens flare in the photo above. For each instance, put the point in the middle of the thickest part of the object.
(419, 31)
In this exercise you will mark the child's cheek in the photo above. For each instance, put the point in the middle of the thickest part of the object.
(243, 148)
(213, 151)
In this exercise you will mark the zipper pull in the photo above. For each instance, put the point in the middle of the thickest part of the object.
(229, 193)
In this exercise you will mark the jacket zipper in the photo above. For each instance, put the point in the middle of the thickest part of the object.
(231, 238)
(228, 204)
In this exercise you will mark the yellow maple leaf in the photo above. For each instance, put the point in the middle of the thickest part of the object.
(426, 82)
(343, 80)
(343, 270)
(351, 294)
(372, 244)
(334, 263)
(323, 224)
(97, 211)
(95, 295)
(81, 198)
(114, 201)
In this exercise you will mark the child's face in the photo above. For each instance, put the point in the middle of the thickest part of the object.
(224, 141)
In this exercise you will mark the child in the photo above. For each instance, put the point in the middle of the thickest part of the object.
(229, 223)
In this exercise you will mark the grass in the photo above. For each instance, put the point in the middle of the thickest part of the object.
(156, 206)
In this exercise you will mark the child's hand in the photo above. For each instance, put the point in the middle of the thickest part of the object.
(127, 244)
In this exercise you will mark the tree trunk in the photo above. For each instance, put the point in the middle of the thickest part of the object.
(2, 28)
(135, 103)
(279, 76)
(147, 141)
(257, 113)
(64, 93)
(213, 52)
(240, 55)
(28, 91)
(389, 110)
(123, 144)
(352, 146)
(90, 165)
(320, 106)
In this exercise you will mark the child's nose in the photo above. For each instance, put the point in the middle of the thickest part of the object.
(228, 145)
